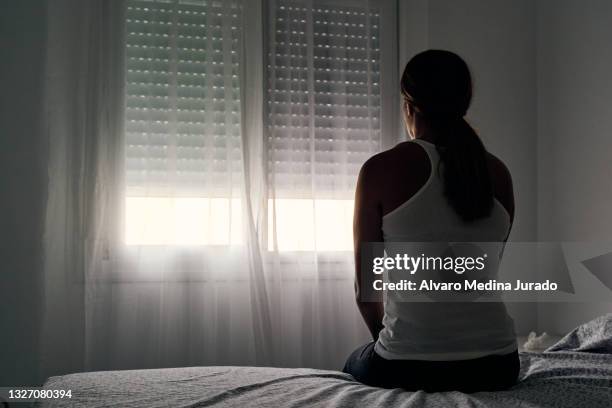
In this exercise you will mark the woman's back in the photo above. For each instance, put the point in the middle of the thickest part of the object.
(439, 330)
(412, 193)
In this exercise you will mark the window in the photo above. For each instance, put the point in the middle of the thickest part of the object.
(323, 118)
(324, 103)
(183, 153)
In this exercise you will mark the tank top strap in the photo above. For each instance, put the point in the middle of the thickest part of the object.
(430, 149)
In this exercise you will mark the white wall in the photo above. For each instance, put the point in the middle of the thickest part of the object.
(575, 136)
(22, 187)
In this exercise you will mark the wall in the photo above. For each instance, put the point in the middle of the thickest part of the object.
(575, 138)
(22, 187)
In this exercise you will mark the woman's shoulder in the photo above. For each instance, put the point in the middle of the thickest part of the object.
(499, 171)
(404, 153)
(394, 175)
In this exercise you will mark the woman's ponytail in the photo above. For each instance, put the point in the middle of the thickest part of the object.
(438, 86)
(467, 181)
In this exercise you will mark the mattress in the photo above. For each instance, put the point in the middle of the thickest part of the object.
(575, 372)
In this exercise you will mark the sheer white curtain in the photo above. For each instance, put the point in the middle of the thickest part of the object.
(84, 121)
(201, 178)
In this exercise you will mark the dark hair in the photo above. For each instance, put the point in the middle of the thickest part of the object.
(438, 86)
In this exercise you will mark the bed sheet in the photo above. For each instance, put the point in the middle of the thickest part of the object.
(575, 372)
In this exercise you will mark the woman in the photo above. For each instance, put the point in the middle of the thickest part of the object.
(442, 186)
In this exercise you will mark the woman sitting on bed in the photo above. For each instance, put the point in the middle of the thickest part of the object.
(442, 186)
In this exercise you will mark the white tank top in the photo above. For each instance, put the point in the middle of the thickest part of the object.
(440, 331)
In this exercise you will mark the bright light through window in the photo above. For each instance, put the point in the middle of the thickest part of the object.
(293, 224)
(182, 221)
(308, 225)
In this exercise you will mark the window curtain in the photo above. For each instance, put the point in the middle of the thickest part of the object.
(186, 216)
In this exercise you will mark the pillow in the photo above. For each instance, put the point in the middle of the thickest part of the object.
(592, 337)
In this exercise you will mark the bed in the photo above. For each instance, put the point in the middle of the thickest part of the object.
(575, 372)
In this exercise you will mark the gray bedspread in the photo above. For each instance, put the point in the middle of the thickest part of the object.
(575, 372)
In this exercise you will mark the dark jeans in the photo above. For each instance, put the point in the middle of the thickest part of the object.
(490, 373)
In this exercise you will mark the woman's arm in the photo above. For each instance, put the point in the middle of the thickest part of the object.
(367, 227)
(502, 186)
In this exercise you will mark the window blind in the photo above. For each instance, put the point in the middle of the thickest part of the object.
(324, 95)
(182, 97)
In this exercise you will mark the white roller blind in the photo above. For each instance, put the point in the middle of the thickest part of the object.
(324, 95)
(328, 79)
(183, 97)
